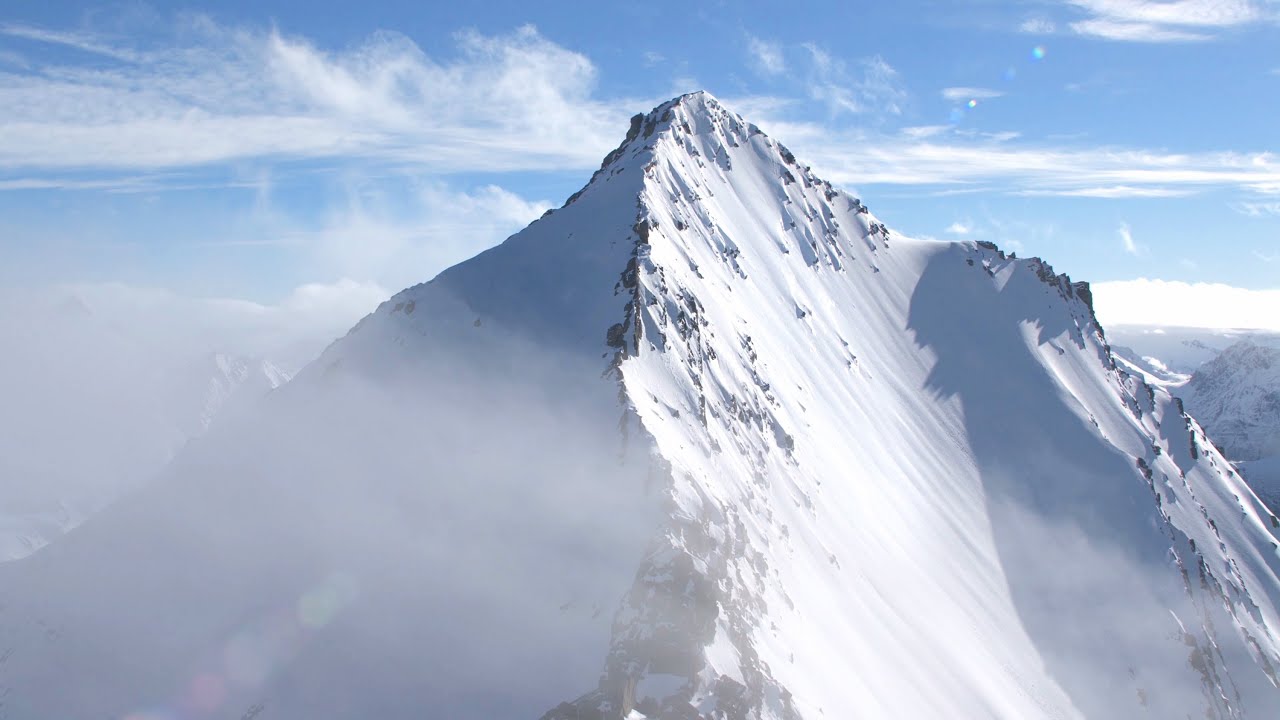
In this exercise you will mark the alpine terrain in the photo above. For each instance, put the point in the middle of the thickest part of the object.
(708, 441)
(1237, 397)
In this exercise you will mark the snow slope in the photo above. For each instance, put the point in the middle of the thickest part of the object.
(1148, 367)
(708, 441)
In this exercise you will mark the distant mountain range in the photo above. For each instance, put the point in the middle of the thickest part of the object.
(1230, 382)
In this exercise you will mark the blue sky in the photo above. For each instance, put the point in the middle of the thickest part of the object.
(259, 150)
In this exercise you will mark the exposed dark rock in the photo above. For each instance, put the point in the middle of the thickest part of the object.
(1084, 292)
(616, 336)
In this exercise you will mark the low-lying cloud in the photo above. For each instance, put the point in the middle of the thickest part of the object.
(1183, 304)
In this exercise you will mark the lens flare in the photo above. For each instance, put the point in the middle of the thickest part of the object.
(319, 606)
(973, 104)
(206, 693)
(248, 659)
(1037, 52)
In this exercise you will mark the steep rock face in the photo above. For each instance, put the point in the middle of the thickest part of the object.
(709, 441)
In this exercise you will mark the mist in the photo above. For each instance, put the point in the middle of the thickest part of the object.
(411, 538)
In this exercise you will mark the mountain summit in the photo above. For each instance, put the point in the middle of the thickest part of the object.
(708, 441)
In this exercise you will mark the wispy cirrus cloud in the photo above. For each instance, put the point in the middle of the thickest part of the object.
(871, 85)
(507, 102)
(934, 156)
(1163, 20)
(83, 42)
(1038, 26)
(867, 86)
(213, 96)
(919, 132)
(766, 56)
(1126, 240)
(1112, 191)
(1258, 209)
(961, 94)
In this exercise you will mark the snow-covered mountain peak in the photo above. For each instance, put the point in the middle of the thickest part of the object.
(1250, 355)
(816, 390)
(696, 113)
(709, 441)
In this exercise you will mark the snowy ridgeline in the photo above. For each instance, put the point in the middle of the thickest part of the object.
(709, 441)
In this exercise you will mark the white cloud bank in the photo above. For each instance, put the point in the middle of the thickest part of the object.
(1180, 304)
